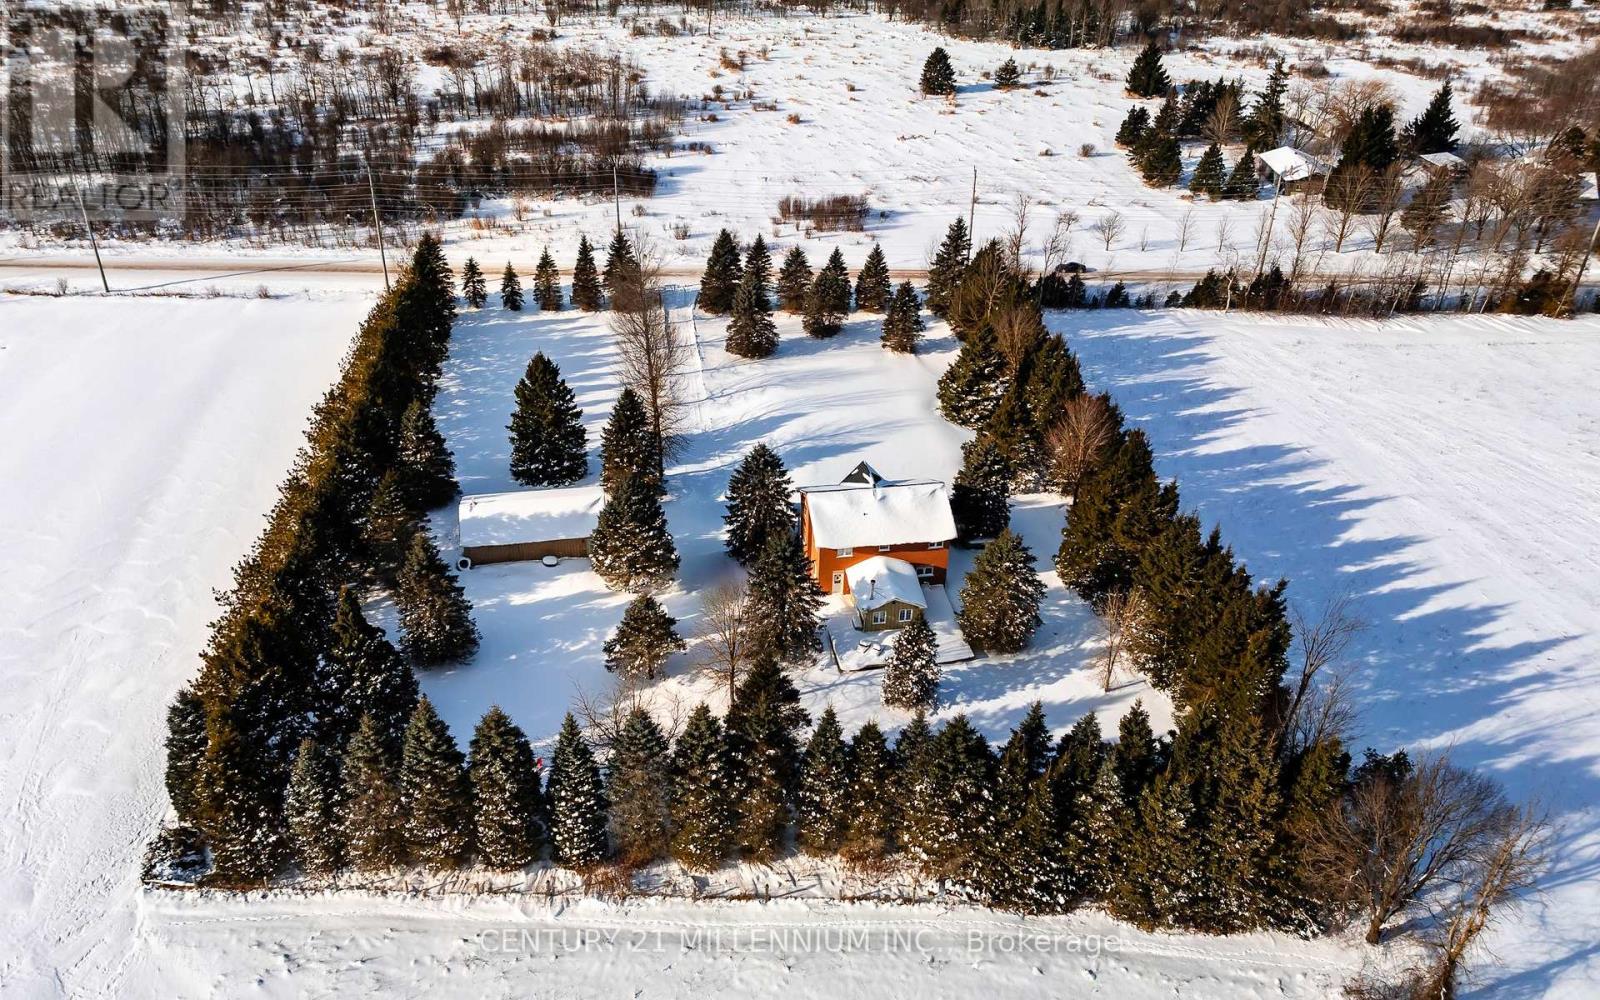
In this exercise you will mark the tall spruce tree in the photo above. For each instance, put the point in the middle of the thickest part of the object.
(784, 599)
(902, 324)
(763, 720)
(586, 292)
(510, 289)
(1434, 131)
(1263, 126)
(627, 445)
(1209, 173)
(548, 442)
(948, 801)
(1018, 865)
(643, 640)
(1161, 160)
(910, 762)
(758, 269)
(473, 287)
(509, 813)
(980, 498)
(822, 809)
(186, 749)
(949, 264)
(639, 790)
(426, 470)
(1131, 133)
(971, 389)
(1119, 507)
(239, 811)
(751, 332)
(758, 504)
(911, 678)
(938, 75)
(435, 616)
(373, 819)
(361, 674)
(724, 270)
(388, 526)
(1242, 183)
(1147, 77)
(828, 300)
(704, 818)
(622, 264)
(873, 286)
(434, 792)
(630, 547)
(871, 785)
(1000, 601)
(794, 282)
(577, 801)
(547, 283)
(313, 805)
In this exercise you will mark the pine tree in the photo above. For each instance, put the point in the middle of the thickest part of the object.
(313, 805)
(631, 548)
(1148, 78)
(373, 819)
(548, 442)
(508, 808)
(435, 616)
(1008, 75)
(547, 283)
(751, 332)
(1434, 131)
(902, 325)
(911, 679)
(639, 790)
(627, 445)
(1131, 133)
(577, 801)
(1102, 820)
(239, 805)
(723, 273)
(794, 282)
(1000, 601)
(1370, 146)
(871, 785)
(361, 674)
(1119, 508)
(762, 722)
(703, 815)
(1263, 126)
(970, 390)
(644, 639)
(186, 749)
(1161, 160)
(586, 291)
(822, 813)
(622, 264)
(828, 300)
(1242, 183)
(758, 504)
(873, 286)
(434, 792)
(949, 264)
(426, 470)
(473, 288)
(1209, 173)
(980, 497)
(510, 289)
(947, 800)
(388, 526)
(784, 599)
(758, 269)
(1018, 864)
(938, 76)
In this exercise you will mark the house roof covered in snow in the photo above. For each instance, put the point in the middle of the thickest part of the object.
(529, 515)
(880, 580)
(1291, 164)
(1591, 186)
(866, 509)
(1443, 160)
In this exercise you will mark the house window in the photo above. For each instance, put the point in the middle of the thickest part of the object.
(935, 545)
(924, 572)
(844, 553)
(879, 617)
(885, 548)
(905, 614)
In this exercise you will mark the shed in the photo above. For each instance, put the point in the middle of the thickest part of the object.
(529, 524)
(1287, 166)
(886, 593)
(1442, 163)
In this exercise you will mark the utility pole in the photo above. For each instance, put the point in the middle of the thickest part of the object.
(616, 196)
(377, 222)
(711, 8)
(77, 190)
(972, 214)
(1272, 218)
(1583, 265)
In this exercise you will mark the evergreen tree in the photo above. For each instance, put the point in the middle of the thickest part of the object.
(387, 529)
(1008, 75)
(902, 325)
(980, 497)
(1434, 131)
(949, 264)
(794, 282)
(577, 801)
(639, 790)
(938, 76)
(548, 442)
(1102, 824)
(631, 547)
(873, 286)
(758, 268)
(870, 783)
(426, 470)
(434, 793)
(627, 444)
(703, 815)
(644, 639)
(473, 287)
(762, 722)
(1209, 175)
(1000, 601)
(822, 813)
(1018, 864)
(970, 390)
(1370, 146)
(1242, 183)
(586, 292)
(186, 749)
(828, 300)
(1131, 133)
(723, 272)
(547, 283)
(751, 332)
(758, 504)
(313, 807)
(1147, 77)
(622, 264)
(1119, 508)
(948, 796)
(1161, 162)
(435, 616)
(361, 674)
(911, 679)
(239, 804)
(508, 808)
(373, 819)
(510, 289)
(1428, 210)
(910, 764)
(784, 599)
(1264, 125)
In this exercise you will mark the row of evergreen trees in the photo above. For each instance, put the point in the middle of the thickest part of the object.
(589, 283)
(1153, 143)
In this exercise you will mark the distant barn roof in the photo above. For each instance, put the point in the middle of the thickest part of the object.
(1291, 164)
(1591, 187)
(529, 516)
(1443, 160)
(866, 509)
(880, 580)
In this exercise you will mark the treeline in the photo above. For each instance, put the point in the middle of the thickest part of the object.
(292, 657)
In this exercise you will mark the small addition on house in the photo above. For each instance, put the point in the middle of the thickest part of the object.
(886, 593)
(529, 524)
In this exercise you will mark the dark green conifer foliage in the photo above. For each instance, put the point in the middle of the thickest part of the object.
(784, 600)
(1000, 601)
(794, 282)
(902, 325)
(1242, 183)
(828, 300)
(1264, 125)
(822, 808)
(1008, 76)
(873, 286)
(723, 272)
(586, 291)
(390, 522)
(1161, 162)
(510, 289)
(938, 76)
(1434, 131)
(577, 801)
(627, 445)
(910, 761)
(948, 801)
(911, 677)
(871, 781)
(548, 442)
(622, 264)
(639, 790)
(1148, 78)
(1371, 146)
(186, 748)
(980, 497)
(240, 808)
(473, 287)
(547, 283)
(704, 818)
(643, 640)
(1018, 865)
(1209, 173)
(361, 674)
(373, 819)
(1119, 508)
(434, 793)
(425, 467)
(435, 616)
(762, 724)
(631, 548)
(970, 390)
(1131, 133)
(313, 805)
(949, 263)
(508, 808)
(751, 332)
(758, 268)
(758, 503)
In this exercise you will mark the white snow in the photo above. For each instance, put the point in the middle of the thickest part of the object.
(1291, 164)
(850, 515)
(878, 581)
(528, 515)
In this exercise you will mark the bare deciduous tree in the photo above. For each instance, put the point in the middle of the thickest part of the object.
(654, 359)
(1108, 227)
(1185, 228)
(603, 714)
(1117, 619)
(1387, 188)
(1086, 429)
(726, 633)
(1323, 640)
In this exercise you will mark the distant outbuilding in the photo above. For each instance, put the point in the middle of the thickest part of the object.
(529, 524)
(1288, 167)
